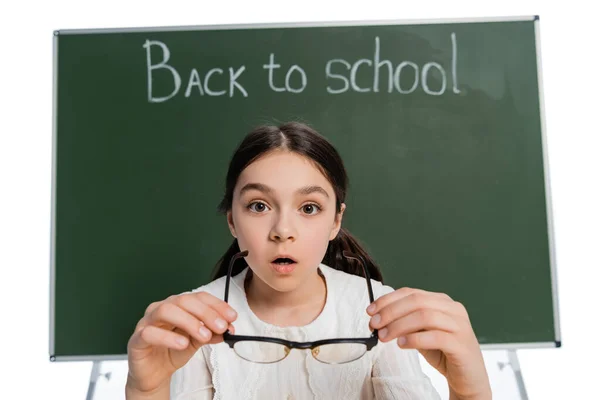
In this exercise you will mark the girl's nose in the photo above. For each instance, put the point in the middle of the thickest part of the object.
(283, 230)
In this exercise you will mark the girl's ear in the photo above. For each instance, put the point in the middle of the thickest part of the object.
(230, 223)
(337, 223)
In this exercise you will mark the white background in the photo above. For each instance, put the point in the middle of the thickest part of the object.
(569, 34)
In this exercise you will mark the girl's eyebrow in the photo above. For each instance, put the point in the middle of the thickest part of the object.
(268, 190)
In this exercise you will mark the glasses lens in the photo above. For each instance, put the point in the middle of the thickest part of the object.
(260, 352)
(339, 353)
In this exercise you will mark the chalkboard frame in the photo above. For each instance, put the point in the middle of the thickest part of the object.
(550, 222)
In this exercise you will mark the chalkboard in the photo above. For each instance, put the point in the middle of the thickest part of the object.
(440, 125)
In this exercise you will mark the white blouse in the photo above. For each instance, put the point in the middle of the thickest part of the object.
(385, 372)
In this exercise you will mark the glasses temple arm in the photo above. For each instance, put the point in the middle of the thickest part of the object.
(229, 271)
(366, 271)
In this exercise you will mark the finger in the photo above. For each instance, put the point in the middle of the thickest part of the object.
(219, 305)
(206, 314)
(397, 295)
(154, 336)
(430, 340)
(216, 338)
(409, 304)
(144, 321)
(169, 316)
(193, 341)
(421, 320)
(152, 307)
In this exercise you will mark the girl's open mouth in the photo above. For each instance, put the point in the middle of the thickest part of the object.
(283, 265)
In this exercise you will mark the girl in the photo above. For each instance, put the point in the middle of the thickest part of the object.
(300, 278)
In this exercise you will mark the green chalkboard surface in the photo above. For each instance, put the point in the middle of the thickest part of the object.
(440, 126)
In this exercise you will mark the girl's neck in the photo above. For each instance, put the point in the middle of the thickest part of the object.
(296, 308)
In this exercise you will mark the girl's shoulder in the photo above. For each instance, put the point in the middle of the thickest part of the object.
(216, 287)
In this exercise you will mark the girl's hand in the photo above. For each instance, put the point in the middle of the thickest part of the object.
(440, 329)
(170, 333)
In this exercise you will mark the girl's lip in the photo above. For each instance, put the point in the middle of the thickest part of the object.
(284, 269)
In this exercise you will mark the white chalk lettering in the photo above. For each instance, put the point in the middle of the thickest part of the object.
(397, 73)
(406, 77)
(397, 79)
(194, 81)
(166, 54)
(288, 76)
(328, 75)
(207, 78)
(424, 76)
(454, 67)
(378, 64)
(233, 81)
(353, 75)
(271, 66)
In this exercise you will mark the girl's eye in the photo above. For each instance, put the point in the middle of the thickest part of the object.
(311, 209)
(260, 207)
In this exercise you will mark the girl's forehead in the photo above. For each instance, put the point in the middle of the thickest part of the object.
(283, 171)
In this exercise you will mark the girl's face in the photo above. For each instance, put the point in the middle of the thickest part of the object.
(283, 206)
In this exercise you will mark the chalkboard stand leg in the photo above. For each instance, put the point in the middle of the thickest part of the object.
(513, 361)
(516, 367)
(94, 376)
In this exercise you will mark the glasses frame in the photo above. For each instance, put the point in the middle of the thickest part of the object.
(232, 339)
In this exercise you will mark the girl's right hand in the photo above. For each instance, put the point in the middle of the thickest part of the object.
(170, 333)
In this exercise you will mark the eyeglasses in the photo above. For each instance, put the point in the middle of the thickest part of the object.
(267, 350)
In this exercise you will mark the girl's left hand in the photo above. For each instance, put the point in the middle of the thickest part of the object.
(440, 329)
